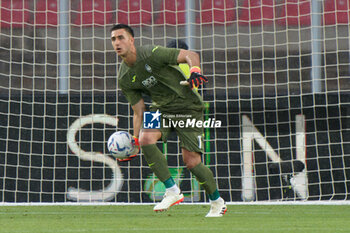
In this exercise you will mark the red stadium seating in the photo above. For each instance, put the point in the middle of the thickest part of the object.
(172, 12)
(257, 12)
(14, 13)
(135, 12)
(46, 13)
(336, 12)
(217, 12)
(94, 13)
(295, 13)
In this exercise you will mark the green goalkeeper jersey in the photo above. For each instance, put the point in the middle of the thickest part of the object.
(156, 74)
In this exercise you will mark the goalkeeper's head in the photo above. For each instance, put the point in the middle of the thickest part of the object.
(123, 26)
(122, 38)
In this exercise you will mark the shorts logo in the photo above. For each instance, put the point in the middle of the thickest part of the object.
(151, 120)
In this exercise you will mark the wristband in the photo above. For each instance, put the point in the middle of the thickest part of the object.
(136, 139)
(195, 69)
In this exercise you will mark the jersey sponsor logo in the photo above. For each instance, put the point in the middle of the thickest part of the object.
(151, 120)
(148, 68)
(133, 79)
(149, 82)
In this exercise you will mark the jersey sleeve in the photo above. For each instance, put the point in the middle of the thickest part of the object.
(166, 55)
(133, 96)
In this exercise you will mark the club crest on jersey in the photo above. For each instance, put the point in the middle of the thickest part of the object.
(148, 68)
(149, 82)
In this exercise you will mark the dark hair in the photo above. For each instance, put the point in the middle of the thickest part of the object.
(123, 26)
(180, 44)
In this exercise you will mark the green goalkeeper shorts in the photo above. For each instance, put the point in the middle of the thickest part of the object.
(185, 125)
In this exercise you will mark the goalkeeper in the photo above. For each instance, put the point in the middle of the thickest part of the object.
(154, 71)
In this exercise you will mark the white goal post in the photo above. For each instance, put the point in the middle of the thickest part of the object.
(278, 81)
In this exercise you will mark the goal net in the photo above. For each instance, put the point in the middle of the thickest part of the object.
(279, 84)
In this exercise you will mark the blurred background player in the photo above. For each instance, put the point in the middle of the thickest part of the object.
(151, 70)
(180, 44)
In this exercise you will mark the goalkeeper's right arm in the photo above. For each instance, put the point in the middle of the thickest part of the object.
(138, 109)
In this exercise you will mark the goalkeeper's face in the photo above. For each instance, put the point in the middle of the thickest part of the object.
(122, 42)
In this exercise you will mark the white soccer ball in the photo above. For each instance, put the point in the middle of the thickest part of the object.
(121, 145)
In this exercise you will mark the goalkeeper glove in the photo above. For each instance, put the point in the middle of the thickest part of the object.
(136, 143)
(196, 78)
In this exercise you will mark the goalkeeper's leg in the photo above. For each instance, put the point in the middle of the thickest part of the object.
(206, 179)
(159, 165)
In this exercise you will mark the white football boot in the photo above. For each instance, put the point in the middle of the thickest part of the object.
(217, 208)
(169, 199)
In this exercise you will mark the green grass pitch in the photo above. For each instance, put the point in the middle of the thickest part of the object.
(181, 218)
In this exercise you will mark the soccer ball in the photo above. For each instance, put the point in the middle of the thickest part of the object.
(121, 145)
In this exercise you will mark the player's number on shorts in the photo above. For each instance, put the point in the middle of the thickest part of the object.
(199, 141)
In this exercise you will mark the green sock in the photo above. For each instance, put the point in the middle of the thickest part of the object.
(169, 183)
(214, 196)
(206, 179)
(156, 161)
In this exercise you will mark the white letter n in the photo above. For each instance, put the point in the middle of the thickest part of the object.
(250, 133)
